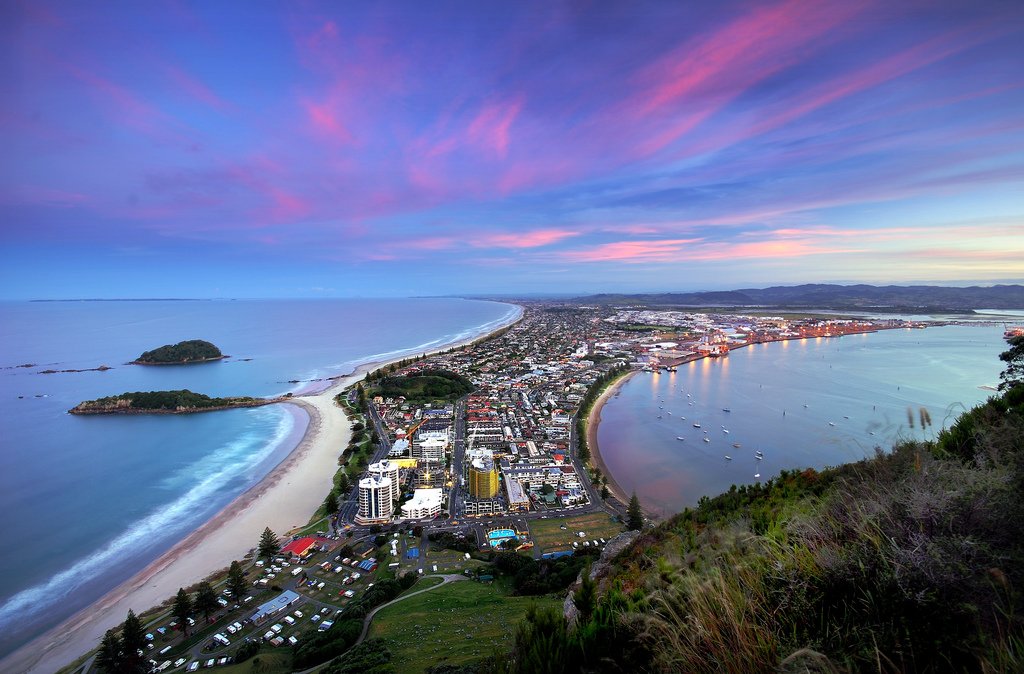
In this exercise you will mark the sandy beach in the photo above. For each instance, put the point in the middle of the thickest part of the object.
(283, 500)
(593, 422)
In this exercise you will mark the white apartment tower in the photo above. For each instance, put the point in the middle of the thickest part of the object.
(376, 503)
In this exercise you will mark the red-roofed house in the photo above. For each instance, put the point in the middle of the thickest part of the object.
(300, 547)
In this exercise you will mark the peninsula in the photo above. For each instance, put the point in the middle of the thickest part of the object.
(183, 353)
(166, 402)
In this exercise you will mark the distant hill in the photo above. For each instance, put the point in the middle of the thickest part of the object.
(829, 296)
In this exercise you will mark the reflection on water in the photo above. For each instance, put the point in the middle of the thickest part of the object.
(815, 402)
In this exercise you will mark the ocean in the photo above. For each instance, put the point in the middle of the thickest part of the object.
(89, 501)
(808, 403)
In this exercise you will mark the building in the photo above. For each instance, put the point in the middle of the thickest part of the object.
(425, 503)
(376, 503)
(431, 448)
(517, 499)
(400, 448)
(483, 475)
(300, 548)
(388, 469)
(275, 605)
(428, 474)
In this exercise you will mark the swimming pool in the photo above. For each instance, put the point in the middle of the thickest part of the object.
(497, 536)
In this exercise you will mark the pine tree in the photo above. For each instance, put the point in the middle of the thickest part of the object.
(268, 546)
(585, 598)
(206, 600)
(182, 609)
(331, 503)
(236, 581)
(605, 492)
(634, 515)
(133, 645)
(1013, 375)
(110, 656)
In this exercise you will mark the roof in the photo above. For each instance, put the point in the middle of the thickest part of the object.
(276, 604)
(299, 546)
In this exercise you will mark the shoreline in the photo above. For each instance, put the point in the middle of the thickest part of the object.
(283, 500)
(593, 423)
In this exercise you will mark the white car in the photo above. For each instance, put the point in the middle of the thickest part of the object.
(194, 666)
(276, 628)
(292, 640)
(290, 620)
(297, 614)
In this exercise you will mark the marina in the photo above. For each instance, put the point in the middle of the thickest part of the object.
(759, 398)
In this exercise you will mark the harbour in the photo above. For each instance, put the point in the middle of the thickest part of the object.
(798, 403)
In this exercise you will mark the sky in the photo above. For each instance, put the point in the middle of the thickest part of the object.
(300, 149)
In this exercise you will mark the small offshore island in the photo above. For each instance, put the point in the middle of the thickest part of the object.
(166, 402)
(183, 353)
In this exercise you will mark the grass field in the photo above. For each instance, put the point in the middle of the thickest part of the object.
(549, 536)
(269, 662)
(457, 623)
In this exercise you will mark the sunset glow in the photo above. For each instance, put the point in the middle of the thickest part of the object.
(302, 149)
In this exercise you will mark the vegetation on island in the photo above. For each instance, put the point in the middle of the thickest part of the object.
(182, 353)
(164, 402)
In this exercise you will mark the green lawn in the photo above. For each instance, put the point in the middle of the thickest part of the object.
(274, 661)
(549, 536)
(457, 623)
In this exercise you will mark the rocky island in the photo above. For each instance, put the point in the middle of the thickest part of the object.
(166, 402)
(182, 353)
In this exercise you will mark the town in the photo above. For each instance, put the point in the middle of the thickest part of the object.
(463, 462)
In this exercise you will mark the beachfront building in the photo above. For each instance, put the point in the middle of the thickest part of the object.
(387, 469)
(425, 503)
(376, 503)
(483, 474)
(300, 548)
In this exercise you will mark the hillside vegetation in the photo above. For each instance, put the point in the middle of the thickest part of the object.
(190, 351)
(911, 561)
(424, 386)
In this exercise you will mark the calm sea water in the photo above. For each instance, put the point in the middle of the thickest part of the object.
(87, 501)
(782, 399)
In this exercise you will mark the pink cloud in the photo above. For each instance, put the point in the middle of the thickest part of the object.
(703, 75)
(490, 128)
(197, 90)
(530, 239)
(326, 120)
(631, 251)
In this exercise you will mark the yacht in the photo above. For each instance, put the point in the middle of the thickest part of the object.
(728, 458)
(696, 424)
